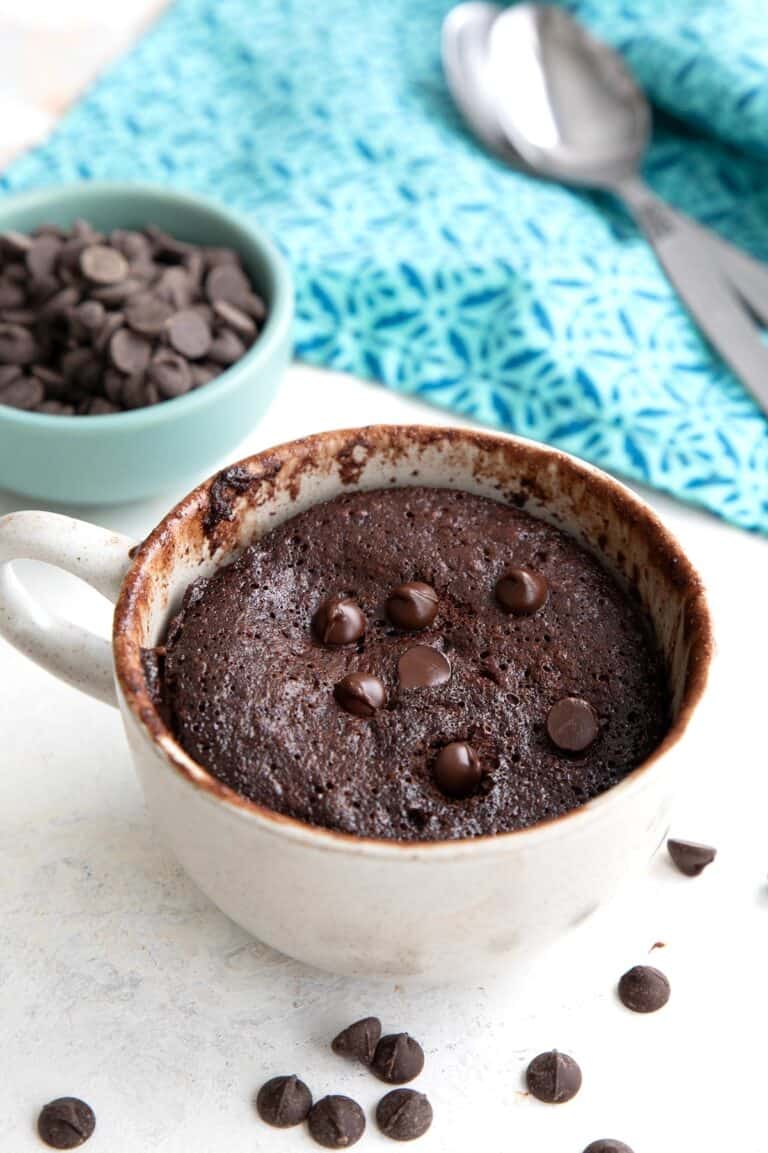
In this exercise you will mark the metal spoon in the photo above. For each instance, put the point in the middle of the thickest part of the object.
(550, 99)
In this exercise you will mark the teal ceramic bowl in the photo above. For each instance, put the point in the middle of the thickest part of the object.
(127, 456)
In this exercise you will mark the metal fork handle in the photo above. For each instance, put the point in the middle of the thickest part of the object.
(699, 273)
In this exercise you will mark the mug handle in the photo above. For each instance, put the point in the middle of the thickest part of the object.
(95, 555)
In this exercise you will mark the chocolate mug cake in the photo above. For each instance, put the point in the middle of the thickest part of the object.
(415, 664)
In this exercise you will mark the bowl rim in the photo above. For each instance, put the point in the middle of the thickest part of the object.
(132, 688)
(278, 321)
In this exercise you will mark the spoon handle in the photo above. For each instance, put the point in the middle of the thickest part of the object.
(707, 273)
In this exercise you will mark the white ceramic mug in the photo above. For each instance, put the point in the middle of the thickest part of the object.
(344, 903)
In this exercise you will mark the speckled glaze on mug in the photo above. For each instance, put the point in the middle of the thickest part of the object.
(440, 907)
(130, 455)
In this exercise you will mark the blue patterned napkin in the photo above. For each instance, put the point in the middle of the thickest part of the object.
(425, 264)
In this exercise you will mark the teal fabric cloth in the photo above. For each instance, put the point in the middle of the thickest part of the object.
(424, 263)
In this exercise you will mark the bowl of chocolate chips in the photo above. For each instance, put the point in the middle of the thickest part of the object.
(143, 333)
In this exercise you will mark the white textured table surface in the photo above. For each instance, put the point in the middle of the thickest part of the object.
(120, 983)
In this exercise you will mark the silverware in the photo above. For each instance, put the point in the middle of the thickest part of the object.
(549, 99)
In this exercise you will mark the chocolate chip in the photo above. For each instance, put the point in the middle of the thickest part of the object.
(100, 406)
(644, 989)
(360, 693)
(112, 323)
(457, 771)
(9, 372)
(41, 256)
(336, 1122)
(690, 857)
(204, 374)
(226, 348)
(404, 1114)
(174, 286)
(129, 352)
(423, 667)
(112, 294)
(170, 373)
(234, 318)
(55, 408)
(11, 295)
(572, 724)
(607, 1145)
(15, 243)
(17, 345)
(398, 1058)
(412, 606)
(66, 1123)
(26, 392)
(135, 393)
(553, 1077)
(147, 314)
(103, 265)
(227, 282)
(113, 385)
(284, 1102)
(167, 246)
(189, 334)
(358, 1041)
(338, 621)
(521, 591)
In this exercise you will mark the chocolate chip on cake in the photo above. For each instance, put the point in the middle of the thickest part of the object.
(412, 606)
(521, 591)
(644, 989)
(359, 1040)
(572, 724)
(553, 1077)
(339, 621)
(457, 771)
(284, 1102)
(398, 1059)
(404, 1114)
(66, 1123)
(336, 1122)
(690, 857)
(360, 694)
(423, 667)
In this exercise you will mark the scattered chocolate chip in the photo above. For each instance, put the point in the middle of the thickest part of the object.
(103, 265)
(112, 294)
(358, 1041)
(234, 318)
(360, 693)
(170, 373)
(412, 606)
(521, 591)
(457, 771)
(607, 1145)
(284, 1102)
(644, 989)
(398, 1058)
(189, 334)
(66, 1123)
(690, 857)
(129, 352)
(336, 1122)
(404, 1114)
(423, 667)
(26, 392)
(553, 1077)
(572, 724)
(175, 287)
(338, 621)
(17, 345)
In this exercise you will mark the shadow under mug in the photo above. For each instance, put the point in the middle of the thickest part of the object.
(344, 903)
